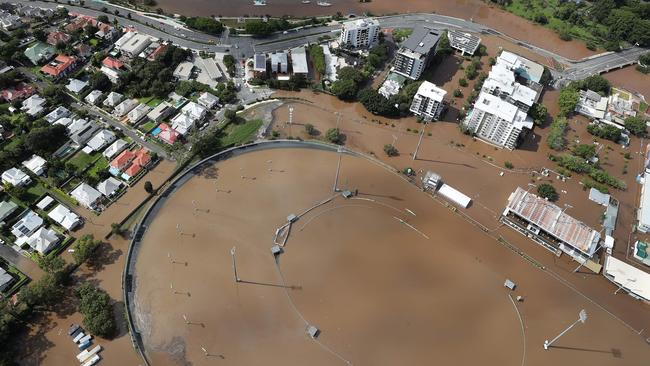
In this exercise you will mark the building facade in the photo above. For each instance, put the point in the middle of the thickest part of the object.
(416, 53)
(428, 102)
(360, 33)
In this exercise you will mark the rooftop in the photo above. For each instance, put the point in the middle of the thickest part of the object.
(431, 91)
(422, 40)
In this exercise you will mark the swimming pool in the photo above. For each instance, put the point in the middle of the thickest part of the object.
(155, 131)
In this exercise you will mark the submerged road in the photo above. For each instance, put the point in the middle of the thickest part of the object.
(245, 46)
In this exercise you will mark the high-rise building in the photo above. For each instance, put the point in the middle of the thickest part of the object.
(497, 121)
(360, 33)
(428, 101)
(416, 52)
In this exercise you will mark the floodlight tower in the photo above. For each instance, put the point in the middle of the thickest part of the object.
(582, 318)
(290, 115)
(417, 148)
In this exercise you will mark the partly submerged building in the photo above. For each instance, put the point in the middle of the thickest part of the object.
(416, 52)
(428, 102)
(548, 225)
(462, 41)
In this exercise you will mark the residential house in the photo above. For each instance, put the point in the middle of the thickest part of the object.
(39, 52)
(81, 130)
(168, 134)
(392, 85)
(124, 39)
(115, 148)
(160, 112)
(125, 107)
(190, 114)
(428, 102)
(208, 100)
(100, 140)
(36, 165)
(157, 51)
(43, 240)
(299, 61)
(183, 71)
(113, 99)
(6, 209)
(93, 97)
(34, 105)
(136, 44)
(18, 92)
(496, 121)
(416, 52)
(32, 12)
(109, 187)
(65, 121)
(64, 217)
(106, 31)
(194, 110)
(6, 280)
(76, 86)
(16, 177)
(463, 41)
(80, 22)
(83, 50)
(44, 203)
(137, 114)
(619, 108)
(9, 21)
(26, 226)
(359, 33)
(140, 161)
(56, 37)
(121, 162)
(60, 66)
(87, 196)
(58, 113)
(112, 68)
(591, 104)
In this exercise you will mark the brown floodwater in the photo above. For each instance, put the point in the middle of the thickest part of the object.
(381, 292)
(474, 10)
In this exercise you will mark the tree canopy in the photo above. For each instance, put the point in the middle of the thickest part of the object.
(205, 24)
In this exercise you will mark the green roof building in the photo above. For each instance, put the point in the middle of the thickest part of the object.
(39, 52)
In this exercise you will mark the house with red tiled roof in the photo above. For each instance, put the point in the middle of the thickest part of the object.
(131, 171)
(112, 63)
(121, 162)
(160, 49)
(168, 134)
(106, 31)
(55, 37)
(19, 92)
(80, 22)
(142, 157)
(60, 66)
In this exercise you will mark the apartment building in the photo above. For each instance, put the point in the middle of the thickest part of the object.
(428, 102)
(416, 52)
(360, 33)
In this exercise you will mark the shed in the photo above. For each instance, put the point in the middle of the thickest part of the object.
(292, 218)
(346, 194)
(45, 202)
(313, 331)
(276, 250)
(454, 195)
(509, 284)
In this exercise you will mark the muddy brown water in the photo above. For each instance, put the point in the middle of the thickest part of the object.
(474, 10)
(380, 292)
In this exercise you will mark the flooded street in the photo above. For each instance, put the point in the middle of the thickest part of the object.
(475, 10)
(380, 292)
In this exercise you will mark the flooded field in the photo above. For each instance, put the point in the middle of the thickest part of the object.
(475, 10)
(381, 292)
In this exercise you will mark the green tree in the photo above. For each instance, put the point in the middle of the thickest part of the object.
(390, 150)
(45, 140)
(538, 113)
(310, 129)
(637, 126)
(568, 100)
(42, 293)
(333, 135)
(344, 89)
(555, 138)
(376, 103)
(548, 192)
(148, 187)
(51, 263)
(584, 151)
(95, 306)
(84, 248)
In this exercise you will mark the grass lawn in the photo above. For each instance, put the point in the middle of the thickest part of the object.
(93, 42)
(81, 160)
(401, 34)
(243, 133)
(150, 101)
(35, 191)
(147, 127)
(100, 165)
(643, 106)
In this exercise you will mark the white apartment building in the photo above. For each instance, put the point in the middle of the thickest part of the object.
(502, 83)
(360, 33)
(428, 102)
(496, 121)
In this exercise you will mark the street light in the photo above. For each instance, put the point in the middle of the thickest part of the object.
(582, 318)
(234, 264)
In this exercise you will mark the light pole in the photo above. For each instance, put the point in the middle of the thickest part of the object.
(582, 318)
(234, 264)
(417, 148)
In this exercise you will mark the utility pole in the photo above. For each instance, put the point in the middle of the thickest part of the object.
(234, 264)
(582, 318)
(417, 148)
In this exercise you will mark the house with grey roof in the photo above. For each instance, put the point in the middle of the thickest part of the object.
(39, 53)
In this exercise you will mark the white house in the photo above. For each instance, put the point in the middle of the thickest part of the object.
(36, 164)
(26, 226)
(58, 113)
(182, 123)
(93, 97)
(113, 99)
(208, 100)
(125, 107)
(100, 140)
(16, 177)
(86, 196)
(138, 113)
(64, 217)
(115, 148)
(34, 105)
(81, 130)
(76, 86)
(160, 112)
(194, 110)
(43, 240)
(109, 187)
(183, 71)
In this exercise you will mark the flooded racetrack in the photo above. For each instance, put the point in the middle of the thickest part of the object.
(385, 286)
